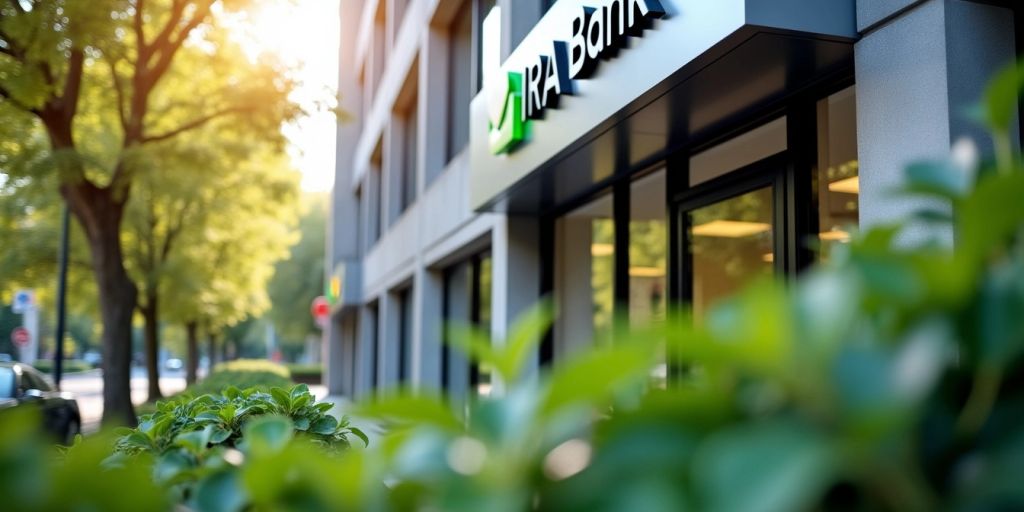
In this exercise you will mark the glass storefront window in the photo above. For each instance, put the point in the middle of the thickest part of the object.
(585, 275)
(648, 249)
(731, 244)
(838, 170)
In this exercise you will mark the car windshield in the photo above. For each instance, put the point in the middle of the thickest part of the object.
(6, 382)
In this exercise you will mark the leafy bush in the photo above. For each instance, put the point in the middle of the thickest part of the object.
(69, 366)
(242, 376)
(252, 365)
(305, 369)
(189, 439)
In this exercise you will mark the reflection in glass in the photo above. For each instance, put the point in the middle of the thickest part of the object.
(838, 169)
(731, 244)
(648, 249)
(584, 275)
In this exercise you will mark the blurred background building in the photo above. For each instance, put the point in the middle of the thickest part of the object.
(710, 143)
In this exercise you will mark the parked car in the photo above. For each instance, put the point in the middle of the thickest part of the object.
(23, 386)
(93, 357)
(174, 364)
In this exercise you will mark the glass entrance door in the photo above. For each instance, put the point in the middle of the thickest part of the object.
(729, 243)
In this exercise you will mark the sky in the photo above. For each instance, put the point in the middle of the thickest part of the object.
(305, 33)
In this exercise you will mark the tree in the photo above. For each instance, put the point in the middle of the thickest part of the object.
(300, 278)
(51, 55)
(203, 188)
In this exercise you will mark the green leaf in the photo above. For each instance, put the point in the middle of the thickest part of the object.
(301, 424)
(326, 425)
(416, 409)
(593, 377)
(360, 434)
(1000, 100)
(231, 393)
(170, 465)
(196, 440)
(219, 435)
(524, 335)
(268, 434)
(281, 397)
(299, 390)
(936, 178)
(768, 467)
(221, 492)
(298, 402)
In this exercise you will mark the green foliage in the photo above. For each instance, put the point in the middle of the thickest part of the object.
(242, 374)
(305, 369)
(69, 366)
(299, 278)
(190, 441)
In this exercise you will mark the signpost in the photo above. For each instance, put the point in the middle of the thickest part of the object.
(26, 338)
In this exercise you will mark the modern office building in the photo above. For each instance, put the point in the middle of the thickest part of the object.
(619, 156)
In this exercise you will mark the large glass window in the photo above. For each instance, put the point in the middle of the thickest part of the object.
(467, 302)
(838, 169)
(585, 275)
(731, 243)
(648, 249)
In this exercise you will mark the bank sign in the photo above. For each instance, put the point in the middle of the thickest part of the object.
(516, 97)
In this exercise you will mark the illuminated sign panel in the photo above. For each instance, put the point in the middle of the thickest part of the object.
(525, 95)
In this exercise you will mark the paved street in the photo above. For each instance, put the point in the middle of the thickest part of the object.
(88, 389)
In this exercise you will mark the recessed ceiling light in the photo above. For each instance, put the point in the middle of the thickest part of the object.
(646, 272)
(602, 250)
(768, 257)
(846, 186)
(731, 228)
(836, 235)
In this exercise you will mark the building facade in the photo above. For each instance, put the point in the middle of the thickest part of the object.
(619, 156)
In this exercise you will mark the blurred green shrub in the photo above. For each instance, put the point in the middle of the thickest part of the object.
(69, 366)
(297, 370)
(190, 440)
(242, 374)
(252, 365)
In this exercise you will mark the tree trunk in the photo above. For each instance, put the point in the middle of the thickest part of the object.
(100, 215)
(151, 336)
(211, 352)
(192, 363)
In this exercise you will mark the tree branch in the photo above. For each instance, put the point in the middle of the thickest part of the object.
(17, 6)
(73, 82)
(119, 90)
(177, 11)
(137, 22)
(194, 124)
(166, 51)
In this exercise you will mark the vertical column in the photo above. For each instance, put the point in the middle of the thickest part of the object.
(428, 299)
(917, 71)
(515, 245)
(459, 314)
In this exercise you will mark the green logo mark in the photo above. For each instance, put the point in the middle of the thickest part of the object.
(505, 102)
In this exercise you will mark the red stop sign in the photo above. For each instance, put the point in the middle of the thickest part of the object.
(321, 308)
(21, 337)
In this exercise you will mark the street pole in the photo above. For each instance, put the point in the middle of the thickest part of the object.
(62, 281)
